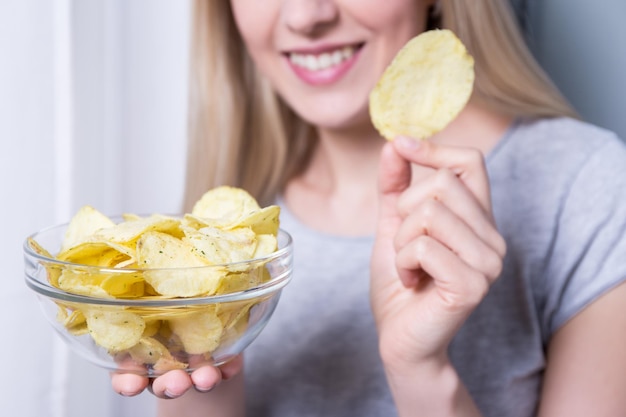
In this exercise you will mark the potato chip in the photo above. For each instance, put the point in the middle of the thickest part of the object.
(171, 264)
(129, 231)
(152, 327)
(231, 313)
(152, 352)
(73, 320)
(114, 330)
(131, 285)
(199, 331)
(97, 253)
(191, 221)
(262, 221)
(81, 281)
(129, 217)
(266, 245)
(85, 223)
(40, 250)
(86, 289)
(167, 363)
(237, 282)
(54, 272)
(219, 246)
(225, 203)
(157, 257)
(424, 88)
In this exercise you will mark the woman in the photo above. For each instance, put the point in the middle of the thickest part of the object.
(478, 273)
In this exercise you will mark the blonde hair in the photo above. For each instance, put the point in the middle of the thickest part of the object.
(242, 134)
(508, 78)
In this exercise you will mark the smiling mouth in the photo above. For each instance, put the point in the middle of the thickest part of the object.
(322, 61)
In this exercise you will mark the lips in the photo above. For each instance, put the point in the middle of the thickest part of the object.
(323, 66)
(316, 62)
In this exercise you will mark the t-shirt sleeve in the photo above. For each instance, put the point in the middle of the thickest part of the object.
(588, 255)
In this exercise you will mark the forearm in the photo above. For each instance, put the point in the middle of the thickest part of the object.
(430, 389)
(226, 400)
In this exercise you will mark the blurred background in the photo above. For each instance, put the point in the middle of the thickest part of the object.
(92, 111)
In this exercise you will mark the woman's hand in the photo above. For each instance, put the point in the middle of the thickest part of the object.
(437, 249)
(175, 383)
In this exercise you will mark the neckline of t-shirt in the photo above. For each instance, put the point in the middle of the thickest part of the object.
(506, 138)
(292, 218)
(287, 213)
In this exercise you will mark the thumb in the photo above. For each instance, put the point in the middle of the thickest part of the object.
(394, 177)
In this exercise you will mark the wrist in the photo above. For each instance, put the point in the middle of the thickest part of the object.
(430, 388)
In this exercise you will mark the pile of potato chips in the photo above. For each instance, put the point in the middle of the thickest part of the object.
(424, 88)
(202, 253)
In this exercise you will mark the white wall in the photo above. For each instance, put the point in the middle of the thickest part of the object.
(92, 105)
(27, 184)
(130, 90)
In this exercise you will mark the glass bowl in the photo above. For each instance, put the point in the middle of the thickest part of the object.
(151, 335)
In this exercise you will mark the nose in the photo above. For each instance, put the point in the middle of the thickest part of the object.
(309, 17)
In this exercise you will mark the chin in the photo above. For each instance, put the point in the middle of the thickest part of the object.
(334, 116)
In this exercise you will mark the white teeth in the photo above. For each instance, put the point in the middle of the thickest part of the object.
(322, 61)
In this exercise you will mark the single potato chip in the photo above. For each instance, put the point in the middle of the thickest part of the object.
(233, 313)
(152, 327)
(124, 285)
(150, 351)
(97, 253)
(238, 282)
(266, 245)
(171, 266)
(262, 221)
(199, 331)
(85, 223)
(225, 202)
(219, 247)
(424, 88)
(54, 272)
(73, 320)
(114, 330)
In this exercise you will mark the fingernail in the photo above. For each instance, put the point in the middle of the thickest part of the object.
(204, 390)
(169, 394)
(408, 143)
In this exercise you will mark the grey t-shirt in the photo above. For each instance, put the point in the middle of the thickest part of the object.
(559, 197)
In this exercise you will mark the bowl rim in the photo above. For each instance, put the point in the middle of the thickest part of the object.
(46, 289)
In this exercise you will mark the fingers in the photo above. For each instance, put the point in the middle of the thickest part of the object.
(465, 163)
(434, 219)
(446, 211)
(128, 385)
(232, 367)
(172, 384)
(394, 178)
(206, 378)
(395, 171)
(445, 187)
(458, 175)
(459, 286)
